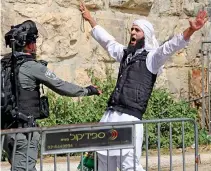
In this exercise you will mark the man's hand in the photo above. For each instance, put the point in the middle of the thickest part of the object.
(92, 90)
(86, 15)
(85, 12)
(196, 24)
(199, 21)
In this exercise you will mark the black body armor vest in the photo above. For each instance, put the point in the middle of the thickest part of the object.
(134, 86)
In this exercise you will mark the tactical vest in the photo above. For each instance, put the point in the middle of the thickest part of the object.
(134, 86)
(29, 100)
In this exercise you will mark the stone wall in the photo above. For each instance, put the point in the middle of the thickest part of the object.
(65, 39)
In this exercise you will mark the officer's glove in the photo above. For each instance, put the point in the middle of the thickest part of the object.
(92, 90)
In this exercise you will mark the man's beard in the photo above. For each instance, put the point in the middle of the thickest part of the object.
(132, 49)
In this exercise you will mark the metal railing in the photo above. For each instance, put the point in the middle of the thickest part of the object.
(102, 136)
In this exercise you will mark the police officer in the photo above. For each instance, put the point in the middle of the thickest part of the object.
(30, 75)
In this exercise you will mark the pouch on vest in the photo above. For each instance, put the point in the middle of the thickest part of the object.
(44, 104)
(44, 107)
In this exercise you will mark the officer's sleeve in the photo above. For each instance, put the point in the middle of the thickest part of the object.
(49, 79)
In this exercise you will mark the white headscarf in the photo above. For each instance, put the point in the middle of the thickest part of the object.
(151, 42)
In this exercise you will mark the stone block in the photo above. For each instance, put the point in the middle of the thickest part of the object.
(93, 4)
(176, 80)
(141, 5)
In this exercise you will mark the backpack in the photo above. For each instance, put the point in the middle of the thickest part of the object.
(7, 98)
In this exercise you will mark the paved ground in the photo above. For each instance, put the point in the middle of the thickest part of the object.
(205, 163)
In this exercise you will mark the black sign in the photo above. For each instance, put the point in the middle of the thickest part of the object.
(91, 138)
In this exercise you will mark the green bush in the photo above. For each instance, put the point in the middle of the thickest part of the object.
(204, 137)
(66, 110)
(162, 106)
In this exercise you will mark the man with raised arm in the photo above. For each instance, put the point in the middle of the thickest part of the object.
(140, 63)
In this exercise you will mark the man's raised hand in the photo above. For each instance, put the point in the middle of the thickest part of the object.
(199, 21)
(85, 12)
(86, 15)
